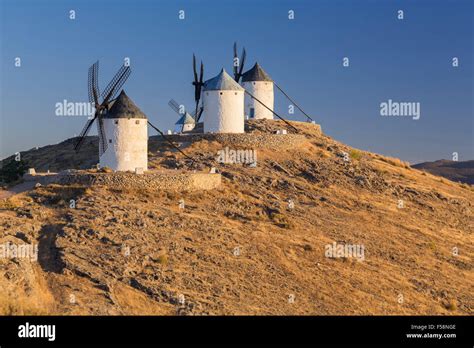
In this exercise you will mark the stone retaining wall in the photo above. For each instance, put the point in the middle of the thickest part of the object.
(148, 181)
(245, 140)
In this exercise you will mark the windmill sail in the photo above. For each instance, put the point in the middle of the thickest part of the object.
(110, 93)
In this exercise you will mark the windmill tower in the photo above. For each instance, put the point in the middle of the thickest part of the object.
(223, 104)
(257, 82)
(186, 122)
(127, 136)
(120, 124)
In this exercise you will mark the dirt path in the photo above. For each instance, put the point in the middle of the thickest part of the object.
(24, 186)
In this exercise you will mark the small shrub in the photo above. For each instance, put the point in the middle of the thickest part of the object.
(20, 306)
(355, 154)
(10, 203)
(450, 305)
(162, 259)
(395, 162)
(12, 171)
(105, 170)
(281, 220)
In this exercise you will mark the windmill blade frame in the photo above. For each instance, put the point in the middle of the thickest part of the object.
(115, 84)
(242, 63)
(119, 86)
(194, 69)
(199, 87)
(235, 67)
(239, 68)
(110, 93)
(198, 116)
(102, 137)
(193, 114)
(90, 85)
(201, 76)
(84, 133)
(93, 85)
(197, 83)
(174, 105)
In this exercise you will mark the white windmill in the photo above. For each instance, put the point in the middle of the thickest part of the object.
(257, 82)
(223, 105)
(127, 136)
(186, 122)
(121, 125)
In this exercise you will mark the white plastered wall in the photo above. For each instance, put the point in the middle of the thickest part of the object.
(263, 91)
(188, 127)
(178, 128)
(223, 111)
(129, 147)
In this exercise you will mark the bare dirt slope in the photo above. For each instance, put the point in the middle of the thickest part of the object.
(242, 249)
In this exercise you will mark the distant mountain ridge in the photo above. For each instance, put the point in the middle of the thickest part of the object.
(462, 171)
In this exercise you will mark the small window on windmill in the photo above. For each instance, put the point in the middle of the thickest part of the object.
(110, 141)
(220, 93)
(254, 83)
(252, 113)
(137, 122)
(116, 121)
(235, 93)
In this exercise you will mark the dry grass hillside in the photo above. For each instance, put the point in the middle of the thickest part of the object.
(242, 249)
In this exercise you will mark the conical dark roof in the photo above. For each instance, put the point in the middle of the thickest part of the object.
(124, 107)
(256, 74)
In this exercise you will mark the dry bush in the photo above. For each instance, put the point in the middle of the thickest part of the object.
(162, 259)
(281, 220)
(395, 162)
(450, 305)
(10, 203)
(105, 170)
(355, 154)
(18, 306)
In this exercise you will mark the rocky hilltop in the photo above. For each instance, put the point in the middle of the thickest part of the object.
(256, 245)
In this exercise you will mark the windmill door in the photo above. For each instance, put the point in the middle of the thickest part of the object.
(252, 113)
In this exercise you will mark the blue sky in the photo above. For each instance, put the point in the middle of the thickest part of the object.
(403, 60)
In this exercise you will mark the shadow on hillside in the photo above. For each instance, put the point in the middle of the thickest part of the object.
(49, 255)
